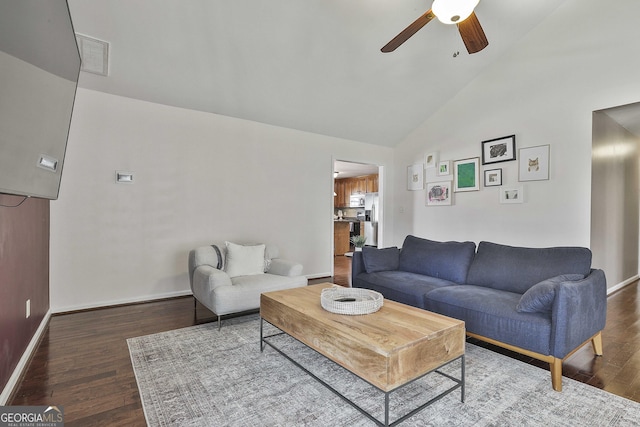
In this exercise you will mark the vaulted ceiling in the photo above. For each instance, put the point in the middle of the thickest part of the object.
(312, 65)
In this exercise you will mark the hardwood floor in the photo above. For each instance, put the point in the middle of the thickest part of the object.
(82, 362)
(341, 271)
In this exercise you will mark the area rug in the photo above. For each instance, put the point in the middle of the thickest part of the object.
(199, 376)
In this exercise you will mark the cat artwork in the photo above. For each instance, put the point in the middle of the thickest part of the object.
(534, 163)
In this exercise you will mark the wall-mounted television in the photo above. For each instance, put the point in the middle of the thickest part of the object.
(39, 69)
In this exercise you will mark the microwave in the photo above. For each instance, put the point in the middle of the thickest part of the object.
(356, 201)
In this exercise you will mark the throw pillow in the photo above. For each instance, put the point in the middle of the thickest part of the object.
(539, 298)
(380, 259)
(244, 260)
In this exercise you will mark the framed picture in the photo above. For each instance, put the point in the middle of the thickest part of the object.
(499, 150)
(492, 177)
(466, 175)
(511, 195)
(438, 193)
(444, 167)
(534, 163)
(431, 160)
(415, 177)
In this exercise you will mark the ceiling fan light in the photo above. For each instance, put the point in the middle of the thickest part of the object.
(453, 11)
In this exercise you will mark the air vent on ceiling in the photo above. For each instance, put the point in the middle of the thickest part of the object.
(94, 54)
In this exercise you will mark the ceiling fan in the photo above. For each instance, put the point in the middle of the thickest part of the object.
(459, 12)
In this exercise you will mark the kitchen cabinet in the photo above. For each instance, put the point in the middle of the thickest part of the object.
(372, 183)
(341, 240)
(345, 187)
(348, 184)
(341, 198)
(359, 185)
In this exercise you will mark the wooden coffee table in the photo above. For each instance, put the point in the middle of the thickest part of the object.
(389, 348)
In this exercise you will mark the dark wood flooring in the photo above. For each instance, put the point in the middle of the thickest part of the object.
(82, 362)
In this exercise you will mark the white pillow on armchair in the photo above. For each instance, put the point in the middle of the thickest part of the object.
(244, 260)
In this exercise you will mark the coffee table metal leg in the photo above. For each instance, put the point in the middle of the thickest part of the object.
(261, 335)
(386, 409)
(462, 377)
(459, 383)
(263, 339)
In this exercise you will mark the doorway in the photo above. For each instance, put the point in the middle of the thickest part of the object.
(615, 185)
(357, 209)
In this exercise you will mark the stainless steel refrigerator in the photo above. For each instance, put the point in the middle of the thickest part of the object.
(371, 219)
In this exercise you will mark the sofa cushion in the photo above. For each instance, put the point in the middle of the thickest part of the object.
(246, 290)
(443, 260)
(539, 298)
(380, 259)
(244, 260)
(400, 286)
(492, 313)
(516, 269)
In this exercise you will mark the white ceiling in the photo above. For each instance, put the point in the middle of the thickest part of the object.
(312, 65)
(351, 169)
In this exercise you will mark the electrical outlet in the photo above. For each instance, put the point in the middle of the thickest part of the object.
(28, 308)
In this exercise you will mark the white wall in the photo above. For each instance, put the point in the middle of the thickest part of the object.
(199, 178)
(203, 177)
(584, 57)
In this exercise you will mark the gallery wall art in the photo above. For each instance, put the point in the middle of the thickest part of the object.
(466, 175)
(499, 150)
(438, 193)
(492, 177)
(415, 177)
(534, 163)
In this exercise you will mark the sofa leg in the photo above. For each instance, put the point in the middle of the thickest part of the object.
(556, 373)
(596, 342)
(219, 322)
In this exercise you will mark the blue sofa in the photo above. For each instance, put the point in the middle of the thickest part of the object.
(542, 302)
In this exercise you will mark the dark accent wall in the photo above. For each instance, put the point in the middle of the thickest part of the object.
(24, 274)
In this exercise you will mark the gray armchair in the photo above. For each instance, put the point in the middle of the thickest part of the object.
(218, 281)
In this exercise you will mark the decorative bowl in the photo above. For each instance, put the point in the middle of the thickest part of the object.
(351, 301)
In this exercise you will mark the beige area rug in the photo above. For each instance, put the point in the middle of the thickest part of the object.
(199, 376)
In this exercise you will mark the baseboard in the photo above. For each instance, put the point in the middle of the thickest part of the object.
(622, 284)
(24, 360)
(103, 304)
(319, 276)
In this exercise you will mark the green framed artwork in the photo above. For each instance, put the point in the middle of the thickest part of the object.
(466, 175)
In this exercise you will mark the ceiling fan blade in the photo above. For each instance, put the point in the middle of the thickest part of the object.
(472, 34)
(408, 32)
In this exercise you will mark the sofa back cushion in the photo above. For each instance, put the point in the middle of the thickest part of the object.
(385, 259)
(516, 269)
(444, 260)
